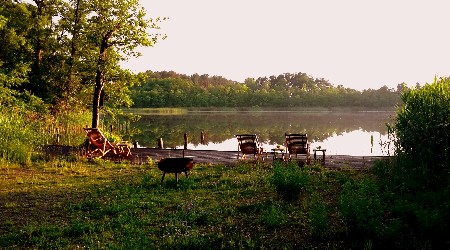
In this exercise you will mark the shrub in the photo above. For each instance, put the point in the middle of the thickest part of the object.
(416, 182)
(422, 126)
(289, 181)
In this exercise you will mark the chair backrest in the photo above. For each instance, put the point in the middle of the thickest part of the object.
(296, 143)
(97, 138)
(248, 143)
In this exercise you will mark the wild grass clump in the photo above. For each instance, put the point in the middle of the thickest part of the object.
(273, 216)
(19, 137)
(26, 128)
(362, 208)
(69, 125)
(318, 216)
(289, 181)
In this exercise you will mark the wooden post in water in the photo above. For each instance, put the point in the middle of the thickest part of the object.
(57, 136)
(185, 143)
(202, 138)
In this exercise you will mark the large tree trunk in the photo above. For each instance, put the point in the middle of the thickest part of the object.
(96, 100)
(99, 84)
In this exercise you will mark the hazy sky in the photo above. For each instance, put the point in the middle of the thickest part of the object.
(359, 44)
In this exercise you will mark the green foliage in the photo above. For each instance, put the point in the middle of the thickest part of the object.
(407, 175)
(117, 206)
(318, 216)
(422, 126)
(152, 163)
(415, 183)
(169, 89)
(112, 136)
(115, 37)
(16, 48)
(121, 123)
(273, 216)
(56, 51)
(20, 136)
(415, 199)
(289, 181)
(70, 125)
(362, 208)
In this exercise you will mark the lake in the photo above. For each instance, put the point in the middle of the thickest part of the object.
(340, 133)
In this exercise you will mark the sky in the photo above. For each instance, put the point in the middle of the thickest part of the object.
(359, 44)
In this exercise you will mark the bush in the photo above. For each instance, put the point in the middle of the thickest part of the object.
(289, 181)
(416, 182)
(422, 126)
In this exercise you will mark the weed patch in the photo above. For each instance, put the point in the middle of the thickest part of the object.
(289, 181)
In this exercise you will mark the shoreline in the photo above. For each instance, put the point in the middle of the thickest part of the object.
(231, 157)
(315, 109)
(142, 156)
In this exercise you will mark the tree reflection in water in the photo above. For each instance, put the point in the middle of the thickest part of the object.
(338, 132)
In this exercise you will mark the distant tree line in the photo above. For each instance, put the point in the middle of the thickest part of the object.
(170, 89)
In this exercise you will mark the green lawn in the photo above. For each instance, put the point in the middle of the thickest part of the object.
(102, 205)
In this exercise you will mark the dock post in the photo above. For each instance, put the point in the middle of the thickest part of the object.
(185, 143)
(57, 136)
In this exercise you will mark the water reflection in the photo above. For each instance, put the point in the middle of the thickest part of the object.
(338, 132)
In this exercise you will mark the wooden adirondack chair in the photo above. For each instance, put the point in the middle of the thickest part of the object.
(297, 144)
(248, 144)
(99, 145)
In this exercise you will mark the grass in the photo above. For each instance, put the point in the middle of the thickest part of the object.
(102, 205)
(158, 111)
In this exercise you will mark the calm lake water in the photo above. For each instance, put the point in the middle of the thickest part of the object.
(340, 133)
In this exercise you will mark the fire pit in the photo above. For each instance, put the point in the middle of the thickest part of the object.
(176, 166)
